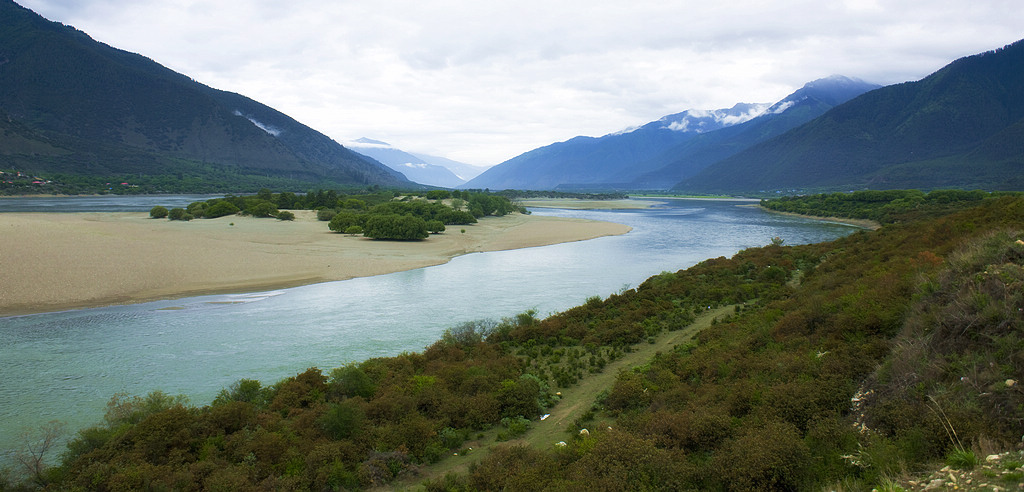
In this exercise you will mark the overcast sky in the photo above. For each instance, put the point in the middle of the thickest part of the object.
(482, 81)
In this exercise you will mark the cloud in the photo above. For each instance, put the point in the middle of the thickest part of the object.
(484, 81)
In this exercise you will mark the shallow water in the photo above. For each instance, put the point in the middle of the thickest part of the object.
(67, 365)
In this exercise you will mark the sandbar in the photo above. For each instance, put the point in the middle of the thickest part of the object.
(583, 204)
(60, 261)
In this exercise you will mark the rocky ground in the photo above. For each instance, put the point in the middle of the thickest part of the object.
(997, 472)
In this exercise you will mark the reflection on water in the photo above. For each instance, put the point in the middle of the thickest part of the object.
(67, 365)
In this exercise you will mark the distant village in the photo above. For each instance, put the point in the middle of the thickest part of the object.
(21, 183)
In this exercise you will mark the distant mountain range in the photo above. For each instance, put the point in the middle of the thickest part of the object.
(591, 162)
(69, 104)
(421, 168)
(661, 153)
(960, 127)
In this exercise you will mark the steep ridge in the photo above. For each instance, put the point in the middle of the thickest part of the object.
(74, 105)
(958, 127)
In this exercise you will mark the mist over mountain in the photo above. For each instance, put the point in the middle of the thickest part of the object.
(69, 104)
(414, 167)
(960, 127)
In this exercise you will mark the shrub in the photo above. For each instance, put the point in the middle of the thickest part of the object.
(179, 214)
(220, 209)
(326, 214)
(263, 209)
(285, 215)
(435, 226)
(343, 220)
(158, 212)
(394, 226)
(354, 230)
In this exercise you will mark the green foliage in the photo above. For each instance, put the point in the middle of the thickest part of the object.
(395, 227)
(962, 459)
(158, 212)
(179, 214)
(881, 206)
(285, 215)
(435, 226)
(353, 230)
(220, 208)
(325, 214)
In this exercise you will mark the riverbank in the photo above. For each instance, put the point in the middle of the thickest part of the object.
(579, 204)
(862, 223)
(60, 261)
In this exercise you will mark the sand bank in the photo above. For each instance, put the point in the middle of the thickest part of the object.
(59, 261)
(579, 204)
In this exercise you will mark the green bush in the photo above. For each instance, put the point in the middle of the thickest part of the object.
(220, 209)
(396, 227)
(326, 214)
(343, 220)
(179, 214)
(435, 226)
(263, 209)
(158, 212)
(285, 215)
(354, 230)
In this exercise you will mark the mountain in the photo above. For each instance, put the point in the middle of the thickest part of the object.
(683, 161)
(464, 171)
(589, 161)
(69, 104)
(960, 127)
(414, 167)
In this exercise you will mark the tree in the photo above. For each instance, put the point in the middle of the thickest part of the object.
(158, 212)
(32, 456)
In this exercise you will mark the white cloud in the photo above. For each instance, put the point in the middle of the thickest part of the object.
(484, 81)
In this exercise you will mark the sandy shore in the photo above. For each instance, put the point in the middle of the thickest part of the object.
(578, 204)
(59, 261)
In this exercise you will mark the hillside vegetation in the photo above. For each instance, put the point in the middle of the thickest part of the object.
(847, 365)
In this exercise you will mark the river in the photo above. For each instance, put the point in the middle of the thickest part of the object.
(65, 366)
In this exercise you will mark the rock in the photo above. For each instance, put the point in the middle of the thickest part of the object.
(584, 433)
(1011, 383)
(935, 484)
(992, 457)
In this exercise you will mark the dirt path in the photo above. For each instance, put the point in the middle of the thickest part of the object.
(576, 400)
